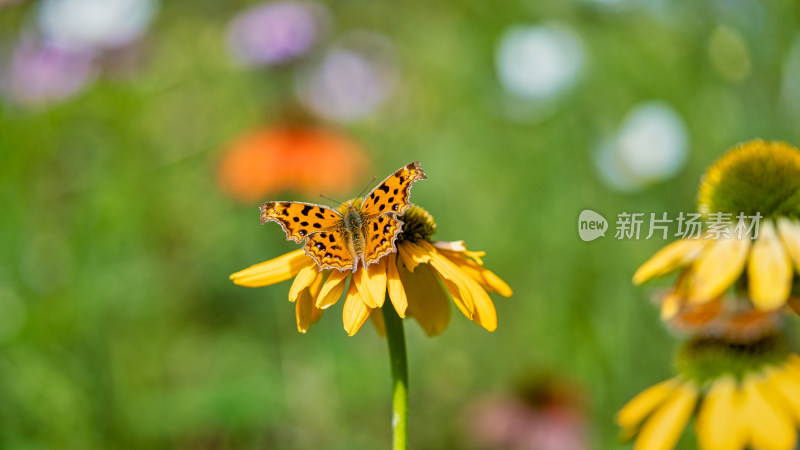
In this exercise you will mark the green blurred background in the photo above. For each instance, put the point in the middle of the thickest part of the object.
(119, 327)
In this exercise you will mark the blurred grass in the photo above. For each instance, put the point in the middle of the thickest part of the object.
(116, 243)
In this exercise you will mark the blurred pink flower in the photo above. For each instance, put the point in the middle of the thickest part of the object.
(275, 33)
(40, 74)
(548, 415)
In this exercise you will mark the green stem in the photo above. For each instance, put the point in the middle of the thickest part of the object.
(395, 337)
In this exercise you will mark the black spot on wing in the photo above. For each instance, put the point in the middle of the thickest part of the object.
(317, 225)
(304, 223)
(306, 209)
(319, 215)
(384, 188)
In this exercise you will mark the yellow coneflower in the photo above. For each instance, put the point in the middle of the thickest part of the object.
(756, 180)
(413, 277)
(743, 396)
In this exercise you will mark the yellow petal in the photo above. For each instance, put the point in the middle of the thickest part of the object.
(371, 283)
(453, 246)
(273, 271)
(769, 272)
(717, 268)
(788, 385)
(670, 306)
(427, 302)
(395, 287)
(718, 422)
(789, 231)
(412, 254)
(770, 425)
(304, 278)
(305, 310)
(483, 276)
(454, 280)
(355, 311)
(635, 411)
(332, 289)
(376, 316)
(669, 258)
(665, 425)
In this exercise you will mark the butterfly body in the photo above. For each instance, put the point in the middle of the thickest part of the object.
(361, 230)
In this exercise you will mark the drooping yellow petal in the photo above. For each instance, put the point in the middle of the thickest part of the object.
(305, 310)
(332, 289)
(769, 271)
(412, 254)
(663, 428)
(427, 302)
(770, 425)
(273, 271)
(635, 411)
(304, 278)
(483, 276)
(371, 283)
(673, 256)
(789, 231)
(355, 311)
(395, 287)
(717, 267)
(718, 422)
(788, 385)
(376, 316)
(456, 282)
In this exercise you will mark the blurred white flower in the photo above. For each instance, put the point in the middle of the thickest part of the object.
(38, 75)
(95, 24)
(651, 146)
(276, 33)
(539, 62)
(351, 80)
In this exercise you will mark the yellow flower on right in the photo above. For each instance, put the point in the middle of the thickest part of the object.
(742, 396)
(756, 186)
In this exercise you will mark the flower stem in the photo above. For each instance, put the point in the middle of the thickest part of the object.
(395, 337)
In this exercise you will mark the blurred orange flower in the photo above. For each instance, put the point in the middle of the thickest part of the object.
(307, 160)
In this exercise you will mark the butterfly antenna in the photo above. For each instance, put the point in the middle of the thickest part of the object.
(338, 203)
(365, 187)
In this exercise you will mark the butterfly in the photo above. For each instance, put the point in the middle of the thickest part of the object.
(365, 232)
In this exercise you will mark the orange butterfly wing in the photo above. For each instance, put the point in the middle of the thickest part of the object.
(299, 220)
(330, 250)
(391, 196)
(380, 234)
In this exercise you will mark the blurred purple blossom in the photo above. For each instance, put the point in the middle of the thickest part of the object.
(275, 33)
(352, 79)
(41, 74)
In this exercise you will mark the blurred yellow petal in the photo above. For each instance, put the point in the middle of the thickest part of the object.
(427, 302)
(769, 272)
(770, 425)
(670, 306)
(635, 411)
(663, 428)
(717, 424)
(412, 254)
(789, 231)
(355, 311)
(273, 271)
(788, 385)
(332, 289)
(453, 246)
(371, 283)
(376, 316)
(717, 267)
(675, 255)
(395, 286)
(304, 278)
